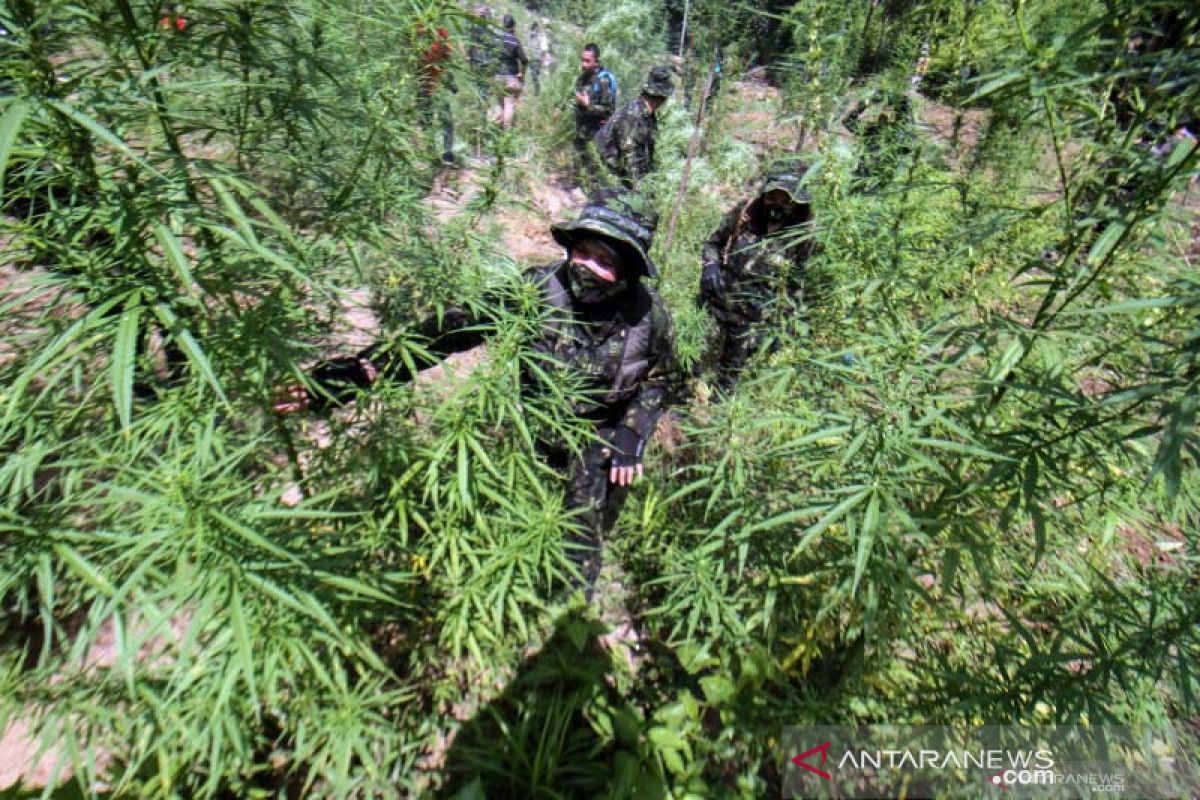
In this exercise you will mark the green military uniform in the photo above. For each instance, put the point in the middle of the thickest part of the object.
(752, 279)
(626, 143)
(483, 50)
(435, 84)
(601, 90)
(620, 343)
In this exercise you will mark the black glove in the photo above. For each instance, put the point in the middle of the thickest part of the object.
(627, 447)
(711, 280)
(339, 380)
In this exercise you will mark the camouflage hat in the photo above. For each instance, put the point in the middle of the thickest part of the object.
(788, 176)
(613, 219)
(658, 83)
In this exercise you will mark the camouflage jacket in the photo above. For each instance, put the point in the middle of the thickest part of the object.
(624, 356)
(602, 98)
(626, 142)
(483, 50)
(890, 125)
(759, 270)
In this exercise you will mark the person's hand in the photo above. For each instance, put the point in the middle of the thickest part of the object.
(626, 464)
(625, 476)
(582, 99)
(291, 399)
(711, 280)
(369, 369)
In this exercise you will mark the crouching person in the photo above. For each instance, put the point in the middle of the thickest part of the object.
(752, 273)
(602, 323)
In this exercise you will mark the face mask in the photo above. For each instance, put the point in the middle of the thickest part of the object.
(588, 287)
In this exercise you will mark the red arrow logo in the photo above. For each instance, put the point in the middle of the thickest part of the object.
(800, 761)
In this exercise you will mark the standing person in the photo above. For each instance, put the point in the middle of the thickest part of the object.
(546, 48)
(539, 43)
(626, 142)
(435, 84)
(481, 52)
(886, 138)
(599, 322)
(595, 101)
(511, 73)
(753, 267)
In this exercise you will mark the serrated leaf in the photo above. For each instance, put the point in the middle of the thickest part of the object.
(1106, 241)
(960, 448)
(464, 474)
(190, 347)
(252, 537)
(357, 587)
(83, 568)
(175, 258)
(100, 131)
(245, 646)
(124, 361)
(995, 84)
(10, 126)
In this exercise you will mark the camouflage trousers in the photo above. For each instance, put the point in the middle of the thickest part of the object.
(535, 73)
(587, 162)
(595, 502)
(736, 344)
(437, 106)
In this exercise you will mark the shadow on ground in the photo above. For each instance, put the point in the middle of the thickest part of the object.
(560, 730)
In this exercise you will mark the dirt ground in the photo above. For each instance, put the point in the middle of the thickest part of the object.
(22, 760)
(940, 119)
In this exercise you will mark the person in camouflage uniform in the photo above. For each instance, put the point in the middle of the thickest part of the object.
(885, 136)
(435, 84)
(482, 50)
(753, 267)
(595, 100)
(626, 142)
(602, 323)
(543, 56)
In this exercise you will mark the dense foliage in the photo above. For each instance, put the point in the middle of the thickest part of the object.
(962, 489)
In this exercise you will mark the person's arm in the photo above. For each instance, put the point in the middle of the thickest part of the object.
(712, 276)
(601, 102)
(338, 381)
(637, 147)
(609, 143)
(622, 139)
(455, 330)
(657, 389)
(522, 59)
